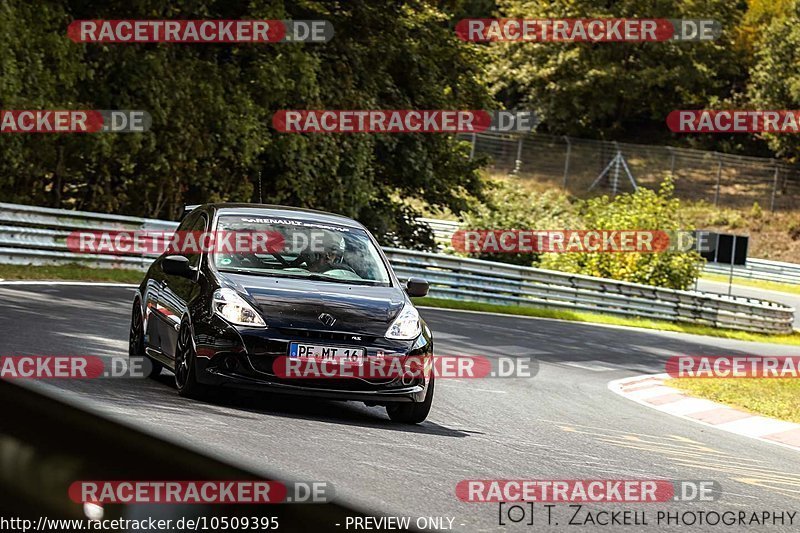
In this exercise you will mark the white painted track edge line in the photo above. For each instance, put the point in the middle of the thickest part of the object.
(67, 283)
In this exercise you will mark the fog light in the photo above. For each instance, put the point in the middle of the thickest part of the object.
(231, 362)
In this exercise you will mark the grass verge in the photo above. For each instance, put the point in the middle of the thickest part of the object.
(777, 398)
(598, 318)
(73, 272)
(759, 284)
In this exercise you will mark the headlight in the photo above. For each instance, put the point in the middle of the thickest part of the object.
(232, 307)
(406, 326)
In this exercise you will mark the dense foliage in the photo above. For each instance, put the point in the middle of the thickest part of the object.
(508, 205)
(775, 79)
(620, 91)
(211, 138)
(211, 106)
(644, 209)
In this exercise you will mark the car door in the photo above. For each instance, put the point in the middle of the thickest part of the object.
(176, 291)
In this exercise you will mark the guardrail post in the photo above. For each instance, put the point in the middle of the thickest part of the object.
(733, 258)
(719, 177)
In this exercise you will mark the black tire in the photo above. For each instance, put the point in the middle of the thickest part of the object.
(185, 368)
(412, 413)
(136, 341)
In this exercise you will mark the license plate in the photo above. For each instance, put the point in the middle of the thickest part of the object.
(319, 352)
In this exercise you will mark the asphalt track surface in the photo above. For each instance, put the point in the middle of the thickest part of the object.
(562, 424)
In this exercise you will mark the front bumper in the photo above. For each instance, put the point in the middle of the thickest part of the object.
(243, 358)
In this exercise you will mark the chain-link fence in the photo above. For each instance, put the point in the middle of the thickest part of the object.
(586, 167)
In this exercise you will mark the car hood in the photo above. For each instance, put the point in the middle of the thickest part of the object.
(298, 303)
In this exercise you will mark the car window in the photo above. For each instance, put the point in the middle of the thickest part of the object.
(306, 249)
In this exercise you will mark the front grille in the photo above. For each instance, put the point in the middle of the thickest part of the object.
(264, 365)
(326, 335)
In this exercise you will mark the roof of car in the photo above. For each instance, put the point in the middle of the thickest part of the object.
(283, 211)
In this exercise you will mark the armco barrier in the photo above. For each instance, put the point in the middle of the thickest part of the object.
(471, 279)
(760, 269)
(34, 235)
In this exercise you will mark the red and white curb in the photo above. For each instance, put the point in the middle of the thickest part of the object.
(650, 391)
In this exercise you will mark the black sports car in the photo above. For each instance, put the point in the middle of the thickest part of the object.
(230, 318)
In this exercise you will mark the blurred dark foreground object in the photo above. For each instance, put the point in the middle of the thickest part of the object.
(46, 444)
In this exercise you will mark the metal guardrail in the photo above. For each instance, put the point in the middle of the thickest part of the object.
(471, 279)
(38, 235)
(33, 235)
(760, 269)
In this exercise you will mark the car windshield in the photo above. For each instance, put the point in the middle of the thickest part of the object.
(304, 249)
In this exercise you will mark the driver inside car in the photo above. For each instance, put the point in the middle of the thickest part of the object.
(326, 253)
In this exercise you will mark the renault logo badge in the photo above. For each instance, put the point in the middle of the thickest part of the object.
(327, 319)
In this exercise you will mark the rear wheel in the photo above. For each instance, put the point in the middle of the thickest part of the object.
(136, 341)
(185, 370)
(412, 413)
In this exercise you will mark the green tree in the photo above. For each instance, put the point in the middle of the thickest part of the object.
(212, 106)
(624, 90)
(775, 76)
(509, 206)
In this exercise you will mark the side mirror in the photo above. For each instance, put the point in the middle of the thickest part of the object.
(177, 265)
(416, 287)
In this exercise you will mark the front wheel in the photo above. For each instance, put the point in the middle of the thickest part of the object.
(185, 368)
(136, 341)
(412, 413)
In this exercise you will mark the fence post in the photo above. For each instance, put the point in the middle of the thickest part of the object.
(518, 161)
(774, 188)
(566, 160)
(719, 177)
(615, 181)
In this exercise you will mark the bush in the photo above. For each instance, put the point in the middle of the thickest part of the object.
(508, 205)
(643, 209)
